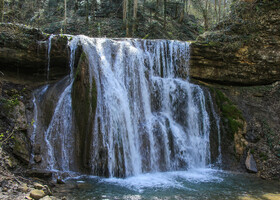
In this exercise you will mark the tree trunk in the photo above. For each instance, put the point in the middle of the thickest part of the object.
(135, 9)
(87, 11)
(216, 13)
(93, 7)
(225, 3)
(65, 15)
(76, 6)
(2, 10)
(124, 11)
(220, 2)
(182, 16)
(205, 16)
(164, 10)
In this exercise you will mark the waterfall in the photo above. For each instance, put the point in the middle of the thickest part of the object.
(217, 120)
(148, 116)
(36, 96)
(49, 46)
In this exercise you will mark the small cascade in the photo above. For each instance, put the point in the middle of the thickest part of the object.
(148, 117)
(36, 96)
(59, 136)
(49, 46)
(217, 120)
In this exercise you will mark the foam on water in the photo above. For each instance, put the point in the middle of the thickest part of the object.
(165, 180)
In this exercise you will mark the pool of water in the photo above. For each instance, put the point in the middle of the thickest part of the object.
(193, 184)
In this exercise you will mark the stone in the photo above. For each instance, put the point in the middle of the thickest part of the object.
(46, 198)
(250, 164)
(59, 181)
(37, 158)
(47, 190)
(37, 149)
(24, 188)
(37, 194)
(38, 186)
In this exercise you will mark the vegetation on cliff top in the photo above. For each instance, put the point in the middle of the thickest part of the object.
(170, 19)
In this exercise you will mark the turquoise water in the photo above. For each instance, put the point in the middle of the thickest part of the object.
(193, 184)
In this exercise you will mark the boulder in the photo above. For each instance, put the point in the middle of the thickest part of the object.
(37, 194)
(250, 164)
(38, 186)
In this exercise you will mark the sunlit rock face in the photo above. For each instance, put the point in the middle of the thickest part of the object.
(243, 50)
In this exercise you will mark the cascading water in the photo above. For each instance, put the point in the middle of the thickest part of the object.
(217, 120)
(36, 96)
(147, 117)
(49, 46)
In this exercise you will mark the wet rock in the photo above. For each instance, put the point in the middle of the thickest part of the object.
(60, 181)
(37, 194)
(37, 149)
(19, 117)
(21, 147)
(250, 163)
(23, 50)
(37, 158)
(38, 174)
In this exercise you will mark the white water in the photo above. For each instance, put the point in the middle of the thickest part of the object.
(147, 119)
(49, 46)
(36, 95)
(217, 120)
(59, 136)
(173, 179)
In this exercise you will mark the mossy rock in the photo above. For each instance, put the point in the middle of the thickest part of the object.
(231, 115)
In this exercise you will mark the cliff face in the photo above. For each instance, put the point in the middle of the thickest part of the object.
(243, 50)
(24, 54)
(241, 61)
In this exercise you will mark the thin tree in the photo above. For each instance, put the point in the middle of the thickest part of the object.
(203, 7)
(184, 10)
(65, 15)
(135, 9)
(164, 10)
(87, 11)
(215, 8)
(225, 3)
(125, 21)
(220, 2)
(2, 3)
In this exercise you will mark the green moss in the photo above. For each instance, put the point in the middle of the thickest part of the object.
(146, 36)
(231, 115)
(263, 156)
(9, 104)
